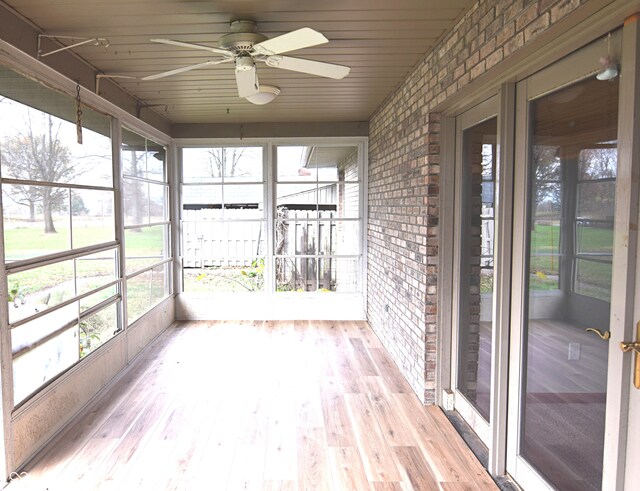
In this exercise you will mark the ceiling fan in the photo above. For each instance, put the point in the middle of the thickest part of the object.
(244, 47)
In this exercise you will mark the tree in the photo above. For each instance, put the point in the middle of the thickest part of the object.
(224, 160)
(26, 196)
(39, 157)
(134, 165)
(548, 178)
(596, 190)
(598, 163)
(77, 205)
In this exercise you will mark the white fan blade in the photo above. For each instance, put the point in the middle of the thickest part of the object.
(318, 68)
(247, 81)
(185, 69)
(301, 38)
(220, 51)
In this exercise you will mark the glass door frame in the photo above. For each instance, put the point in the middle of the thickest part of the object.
(580, 65)
(630, 203)
(493, 432)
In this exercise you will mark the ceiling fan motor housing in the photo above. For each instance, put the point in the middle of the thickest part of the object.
(240, 42)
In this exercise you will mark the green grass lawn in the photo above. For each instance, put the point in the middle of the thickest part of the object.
(25, 243)
(595, 240)
(145, 240)
(594, 278)
(545, 239)
(22, 243)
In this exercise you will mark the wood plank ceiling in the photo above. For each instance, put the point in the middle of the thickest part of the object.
(381, 40)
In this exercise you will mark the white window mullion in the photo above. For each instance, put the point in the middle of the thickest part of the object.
(118, 212)
(270, 162)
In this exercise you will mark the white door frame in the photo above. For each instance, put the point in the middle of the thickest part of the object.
(627, 470)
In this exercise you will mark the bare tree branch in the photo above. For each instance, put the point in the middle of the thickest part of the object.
(224, 161)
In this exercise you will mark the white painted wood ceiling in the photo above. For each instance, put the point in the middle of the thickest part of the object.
(381, 40)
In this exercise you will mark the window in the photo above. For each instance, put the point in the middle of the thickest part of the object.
(572, 234)
(147, 229)
(59, 231)
(296, 227)
(223, 219)
(317, 221)
(595, 207)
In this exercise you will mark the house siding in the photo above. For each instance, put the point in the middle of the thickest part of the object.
(404, 169)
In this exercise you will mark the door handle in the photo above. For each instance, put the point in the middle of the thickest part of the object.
(634, 346)
(604, 335)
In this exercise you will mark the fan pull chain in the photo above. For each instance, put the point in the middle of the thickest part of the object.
(78, 114)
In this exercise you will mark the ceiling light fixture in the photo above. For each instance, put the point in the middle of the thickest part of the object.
(266, 94)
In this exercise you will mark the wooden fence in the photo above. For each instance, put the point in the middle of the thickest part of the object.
(208, 241)
(296, 235)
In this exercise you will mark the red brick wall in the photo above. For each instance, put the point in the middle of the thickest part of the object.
(404, 167)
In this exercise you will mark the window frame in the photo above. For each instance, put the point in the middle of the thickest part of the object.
(70, 253)
(270, 178)
(167, 260)
(317, 258)
(223, 220)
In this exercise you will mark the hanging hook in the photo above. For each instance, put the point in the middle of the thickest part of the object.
(78, 114)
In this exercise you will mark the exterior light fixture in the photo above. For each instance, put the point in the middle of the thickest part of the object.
(609, 69)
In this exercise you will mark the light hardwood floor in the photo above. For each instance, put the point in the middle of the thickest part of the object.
(298, 405)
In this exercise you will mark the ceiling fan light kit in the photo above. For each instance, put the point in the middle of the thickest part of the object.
(245, 47)
(266, 94)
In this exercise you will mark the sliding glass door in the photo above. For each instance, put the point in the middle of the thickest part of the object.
(567, 165)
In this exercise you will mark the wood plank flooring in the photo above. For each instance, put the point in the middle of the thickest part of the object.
(302, 405)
